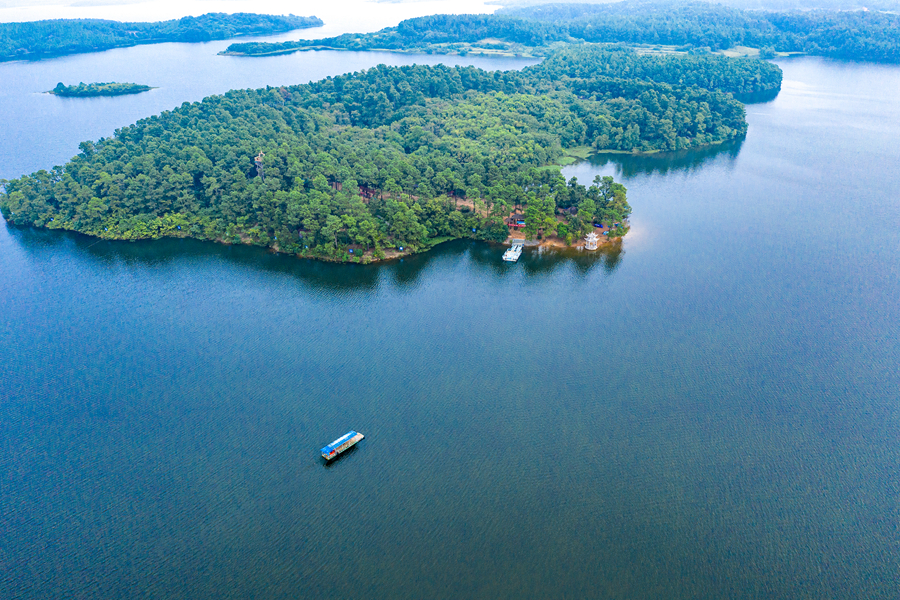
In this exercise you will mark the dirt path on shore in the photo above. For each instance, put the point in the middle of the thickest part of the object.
(556, 242)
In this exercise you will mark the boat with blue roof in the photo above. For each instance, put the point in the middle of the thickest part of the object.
(341, 445)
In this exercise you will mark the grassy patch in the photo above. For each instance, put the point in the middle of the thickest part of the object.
(741, 52)
(432, 242)
(579, 152)
(574, 154)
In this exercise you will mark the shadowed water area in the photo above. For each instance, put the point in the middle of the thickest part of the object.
(708, 411)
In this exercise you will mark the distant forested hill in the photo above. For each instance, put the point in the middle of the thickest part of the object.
(435, 33)
(855, 35)
(72, 36)
(391, 156)
(538, 30)
(770, 5)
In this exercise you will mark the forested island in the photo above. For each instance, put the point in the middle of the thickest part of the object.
(393, 157)
(691, 26)
(39, 39)
(98, 89)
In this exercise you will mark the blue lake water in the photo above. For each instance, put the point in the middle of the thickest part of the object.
(709, 411)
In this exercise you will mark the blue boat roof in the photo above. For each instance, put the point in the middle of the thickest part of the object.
(333, 445)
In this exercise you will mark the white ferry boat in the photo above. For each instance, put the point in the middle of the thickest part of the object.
(513, 254)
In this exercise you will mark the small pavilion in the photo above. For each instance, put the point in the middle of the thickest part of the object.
(590, 241)
(259, 165)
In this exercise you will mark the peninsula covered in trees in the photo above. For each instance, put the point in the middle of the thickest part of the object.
(98, 89)
(392, 157)
(39, 39)
(687, 26)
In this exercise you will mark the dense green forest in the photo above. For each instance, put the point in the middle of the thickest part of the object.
(538, 30)
(855, 35)
(71, 36)
(710, 72)
(391, 157)
(83, 90)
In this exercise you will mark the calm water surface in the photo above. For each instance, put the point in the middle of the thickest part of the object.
(711, 411)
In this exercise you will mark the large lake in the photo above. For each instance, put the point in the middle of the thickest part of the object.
(710, 411)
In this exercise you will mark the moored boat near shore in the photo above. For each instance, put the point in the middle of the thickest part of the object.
(513, 254)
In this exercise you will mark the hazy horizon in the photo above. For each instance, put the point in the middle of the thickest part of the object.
(365, 15)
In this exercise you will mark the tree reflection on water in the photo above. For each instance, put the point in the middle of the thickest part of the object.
(627, 166)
